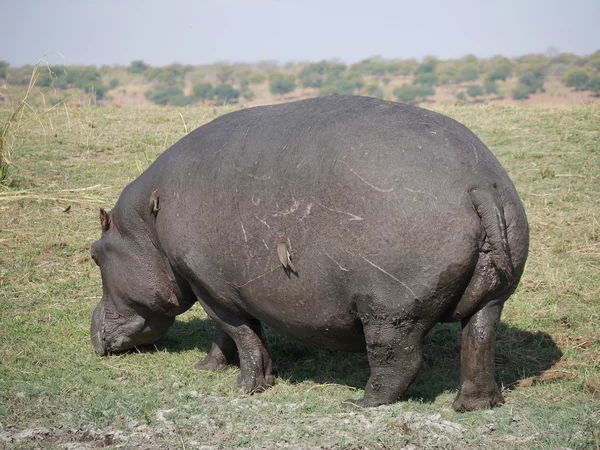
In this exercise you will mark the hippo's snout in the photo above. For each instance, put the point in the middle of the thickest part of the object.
(97, 330)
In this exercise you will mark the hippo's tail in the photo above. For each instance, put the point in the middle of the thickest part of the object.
(496, 241)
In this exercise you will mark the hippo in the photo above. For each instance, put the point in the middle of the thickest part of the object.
(393, 218)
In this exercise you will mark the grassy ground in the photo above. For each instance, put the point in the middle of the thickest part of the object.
(54, 392)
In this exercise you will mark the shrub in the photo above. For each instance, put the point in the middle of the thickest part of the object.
(203, 91)
(346, 83)
(226, 93)
(172, 75)
(408, 93)
(3, 69)
(533, 81)
(405, 93)
(225, 74)
(491, 87)
(164, 95)
(520, 92)
(468, 73)
(88, 78)
(247, 94)
(281, 83)
(113, 83)
(594, 85)
(576, 78)
(424, 91)
(460, 95)
(499, 68)
(593, 61)
(373, 90)
(428, 79)
(474, 91)
(138, 66)
(447, 71)
(314, 75)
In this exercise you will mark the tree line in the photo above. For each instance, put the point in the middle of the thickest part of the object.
(412, 80)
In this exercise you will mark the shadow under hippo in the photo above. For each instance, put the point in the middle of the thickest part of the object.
(520, 355)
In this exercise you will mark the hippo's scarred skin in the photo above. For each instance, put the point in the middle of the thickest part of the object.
(396, 218)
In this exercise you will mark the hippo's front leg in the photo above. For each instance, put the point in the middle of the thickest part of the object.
(478, 388)
(222, 353)
(248, 335)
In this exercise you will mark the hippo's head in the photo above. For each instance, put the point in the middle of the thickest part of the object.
(140, 293)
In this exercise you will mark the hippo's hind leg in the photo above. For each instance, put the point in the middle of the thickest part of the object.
(478, 388)
(222, 353)
(394, 351)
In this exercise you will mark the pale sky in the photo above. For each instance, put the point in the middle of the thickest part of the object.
(205, 31)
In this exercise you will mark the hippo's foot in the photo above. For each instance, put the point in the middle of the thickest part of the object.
(465, 402)
(210, 364)
(223, 352)
(255, 362)
(251, 384)
(478, 389)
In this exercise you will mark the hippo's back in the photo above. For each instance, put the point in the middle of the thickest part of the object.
(368, 194)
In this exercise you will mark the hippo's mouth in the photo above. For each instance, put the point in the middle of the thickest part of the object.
(97, 332)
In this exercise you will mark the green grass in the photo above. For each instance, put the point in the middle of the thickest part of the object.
(54, 390)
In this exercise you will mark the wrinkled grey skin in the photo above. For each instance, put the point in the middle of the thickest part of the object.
(396, 218)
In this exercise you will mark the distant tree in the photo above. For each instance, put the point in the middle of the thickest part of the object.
(533, 81)
(408, 93)
(468, 73)
(447, 71)
(113, 83)
(427, 79)
(226, 93)
(593, 61)
(164, 95)
(225, 74)
(346, 83)
(405, 67)
(247, 94)
(594, 85)
(267, 66)
(499, 68)
(315, 75)
(248, 77)
(425, 73)
(470, 59)
(405, 93)
(281, 83)
(428, 66)
(424, 91)
(203, 91)
(536, 64)
(576, 78)
(474, 91)
(373, 90)
(138, 66)
(173, 74)
(386, 80)
(490, 87)
(565, 58)
(3, 69)
(460, 95)
(520, 92)
(257, 77)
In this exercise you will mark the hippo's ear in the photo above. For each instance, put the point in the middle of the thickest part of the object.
(105, 220)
